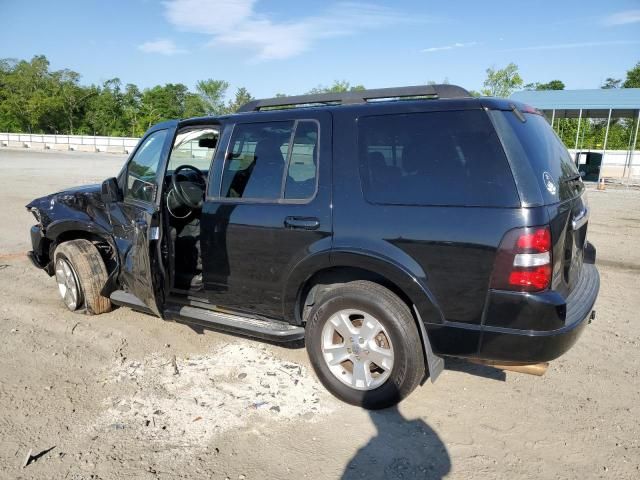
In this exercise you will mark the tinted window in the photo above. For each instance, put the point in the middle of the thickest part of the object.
(534, 149)
(255, 165)
(301, 178)
(437, 158)
(142, 169)
(266, 159)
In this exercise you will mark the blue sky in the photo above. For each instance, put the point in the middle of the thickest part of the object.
(290, 46)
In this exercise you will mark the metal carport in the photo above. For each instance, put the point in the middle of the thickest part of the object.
(583, 104)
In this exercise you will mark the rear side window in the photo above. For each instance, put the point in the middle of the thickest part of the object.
(537, 156)
(436, 158)
(272, 161)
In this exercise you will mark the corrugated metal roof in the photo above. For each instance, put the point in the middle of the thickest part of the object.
(596, 99)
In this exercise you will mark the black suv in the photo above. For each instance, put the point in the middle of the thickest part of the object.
(387, 228)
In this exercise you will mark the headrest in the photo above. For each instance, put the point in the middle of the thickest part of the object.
(376, 161)
(268, 151)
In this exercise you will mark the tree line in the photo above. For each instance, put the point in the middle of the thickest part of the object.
(36, 99)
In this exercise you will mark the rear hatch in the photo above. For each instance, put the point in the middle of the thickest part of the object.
(548, 178)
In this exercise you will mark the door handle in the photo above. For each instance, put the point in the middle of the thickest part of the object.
(302, 223)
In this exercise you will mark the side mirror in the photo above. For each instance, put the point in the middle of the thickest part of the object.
(110, 191)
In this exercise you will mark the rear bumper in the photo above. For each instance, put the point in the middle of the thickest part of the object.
(531, 346)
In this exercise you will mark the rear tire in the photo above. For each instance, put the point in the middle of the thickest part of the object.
(82, 259)
(363, 322)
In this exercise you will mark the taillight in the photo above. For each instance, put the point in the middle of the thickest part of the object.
(539, 240)
(523, 261)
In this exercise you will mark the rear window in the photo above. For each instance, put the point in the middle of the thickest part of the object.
(538, 157)
(436, 158)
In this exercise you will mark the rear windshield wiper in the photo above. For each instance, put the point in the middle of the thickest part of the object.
(571, 178)
(517, 113)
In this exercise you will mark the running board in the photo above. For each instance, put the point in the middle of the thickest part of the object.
(126, 299)
(270, 330)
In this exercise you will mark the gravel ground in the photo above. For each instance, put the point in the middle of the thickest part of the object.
(126, 395)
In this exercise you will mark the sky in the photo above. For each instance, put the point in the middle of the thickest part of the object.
(291, 46)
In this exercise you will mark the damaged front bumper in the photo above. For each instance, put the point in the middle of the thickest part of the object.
(39, 255)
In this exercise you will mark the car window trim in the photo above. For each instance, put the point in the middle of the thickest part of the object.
(285, 172)
(270, 201)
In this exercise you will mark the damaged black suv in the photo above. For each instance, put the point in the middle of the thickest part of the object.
(387, 228)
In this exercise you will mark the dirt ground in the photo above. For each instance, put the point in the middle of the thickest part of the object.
(103, 397)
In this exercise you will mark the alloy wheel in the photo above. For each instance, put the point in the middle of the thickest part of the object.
(68, 284)
(357, 349)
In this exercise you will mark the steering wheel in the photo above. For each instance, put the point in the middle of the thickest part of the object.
(188, 190)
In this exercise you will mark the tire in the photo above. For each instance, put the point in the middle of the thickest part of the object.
(400, 341)
(87, 270)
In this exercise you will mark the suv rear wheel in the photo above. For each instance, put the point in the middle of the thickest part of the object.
(364, 345)
(80, 274)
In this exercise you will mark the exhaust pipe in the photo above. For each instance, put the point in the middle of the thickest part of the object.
(537, 369)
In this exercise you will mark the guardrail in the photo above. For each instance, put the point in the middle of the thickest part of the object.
(82, 143)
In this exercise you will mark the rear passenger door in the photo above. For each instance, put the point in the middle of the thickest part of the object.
(268, 208)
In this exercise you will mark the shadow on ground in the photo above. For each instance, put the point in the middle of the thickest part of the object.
(401, 449)
(409, 449)
(478, 370)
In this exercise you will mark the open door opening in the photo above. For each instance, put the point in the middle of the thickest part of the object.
(185, 182)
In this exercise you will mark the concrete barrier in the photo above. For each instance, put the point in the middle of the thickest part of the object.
(80, 143)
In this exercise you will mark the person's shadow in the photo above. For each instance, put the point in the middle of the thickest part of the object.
(401, 449)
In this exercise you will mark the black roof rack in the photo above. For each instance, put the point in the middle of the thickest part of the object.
(360, 96)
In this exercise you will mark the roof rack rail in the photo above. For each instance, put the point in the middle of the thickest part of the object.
(359, 96)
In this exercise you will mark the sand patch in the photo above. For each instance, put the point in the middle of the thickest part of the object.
(190, 400)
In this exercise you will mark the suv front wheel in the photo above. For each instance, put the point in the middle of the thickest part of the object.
(80, 274)
(364, 345)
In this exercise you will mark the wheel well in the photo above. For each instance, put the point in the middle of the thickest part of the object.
(104, 247)
(330, 277)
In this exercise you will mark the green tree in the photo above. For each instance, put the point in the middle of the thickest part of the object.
(72, 96)
(338, 86)
(213, 93)
(131, 105)
(552, 85)
(611, 83)
(27, 91)
(502, 82)
(162, 103)
(105, 110)
(194, 106)
(633, 77)
(242, 96)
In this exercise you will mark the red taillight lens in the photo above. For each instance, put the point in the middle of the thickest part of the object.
(539, 240)
(531, 279)
(523, 261)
